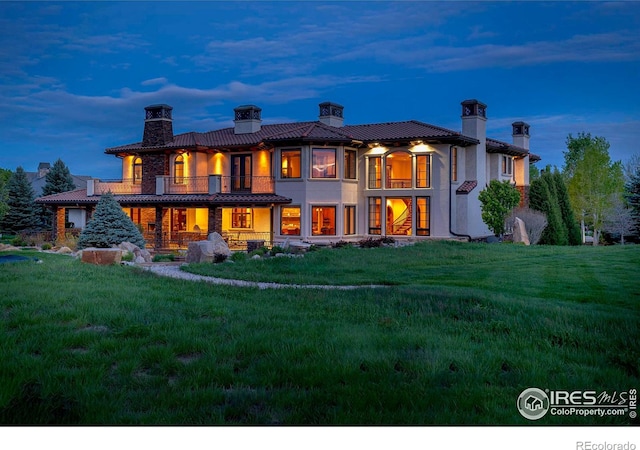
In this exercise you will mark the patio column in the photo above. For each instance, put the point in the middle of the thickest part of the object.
(59, 223)
(158, 235)
(215, 220)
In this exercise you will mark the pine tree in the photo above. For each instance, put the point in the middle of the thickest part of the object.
(22, 213)
(109, 226)
(632, 195)
(58, 179)
(5, 176)
(570, 223)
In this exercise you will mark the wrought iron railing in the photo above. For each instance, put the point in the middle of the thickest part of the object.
(117, 187)
(186, 185)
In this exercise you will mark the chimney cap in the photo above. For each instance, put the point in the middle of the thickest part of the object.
(160, 111)
(520, 128)
(474, 107)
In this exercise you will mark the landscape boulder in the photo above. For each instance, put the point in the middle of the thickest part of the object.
(520, 232)
(140, 255)
(102, 256)
(214, 249)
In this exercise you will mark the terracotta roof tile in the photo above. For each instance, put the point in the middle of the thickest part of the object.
(466, 187)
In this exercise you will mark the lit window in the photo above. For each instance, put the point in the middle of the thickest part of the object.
(137, 171)
(290, 163)
(454, 164)
(323, 220)
(422, 220)
(398, 174)
(350, 164)
(423, 171)
(349, 220)
(241, 218)
(178, 170)
(375, 215)
(290, 220)
(375, 172)
(324, 163)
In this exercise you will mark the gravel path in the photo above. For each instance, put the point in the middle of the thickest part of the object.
(173, 271)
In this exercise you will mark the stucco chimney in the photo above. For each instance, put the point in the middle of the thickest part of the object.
(247, 119)
(158, 126)
(43, 169)
(474, 119)
(521, 134)
(331, 114)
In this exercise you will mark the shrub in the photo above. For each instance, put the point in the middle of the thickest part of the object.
(277, 249)
(370, 242)
(70, 240)
(162, 257)
(259, 251)
(127, 257)
(46, 246)
(238, 256)
(497, 200)
(342, 244)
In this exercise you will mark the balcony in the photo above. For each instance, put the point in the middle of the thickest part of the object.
(167, 185)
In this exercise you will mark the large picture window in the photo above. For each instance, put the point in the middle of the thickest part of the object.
(375, 215)
(241, 218)
(290, 163)
(349, 219)
(323, 220)
(375, 172)
(350, 164)
(323, 163)
(290, 220)
(423, 171)
(423, 217)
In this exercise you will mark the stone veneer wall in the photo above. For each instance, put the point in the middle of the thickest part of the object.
(215, 220)
(157, 133)
(152, 165)
(524, 196)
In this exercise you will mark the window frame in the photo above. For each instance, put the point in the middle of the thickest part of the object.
(238, 215)
(178, 162)
(374, 211)
(350, 220)
(327, 172)
(314, 211)
(289, 166)
(426, 183)
(350, 164)
(282, 229)
(374, 177)
(136, 166)
(454, 164)
(421, 230)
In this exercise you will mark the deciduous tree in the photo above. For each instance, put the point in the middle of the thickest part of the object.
(594, 180)
(619, 220)
(497, 201)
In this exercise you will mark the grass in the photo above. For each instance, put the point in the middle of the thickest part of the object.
(81, 344)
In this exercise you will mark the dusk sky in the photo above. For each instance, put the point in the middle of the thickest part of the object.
(75, 77)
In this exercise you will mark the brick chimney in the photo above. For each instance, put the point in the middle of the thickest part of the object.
(247, 119)
(158, 126)
(331, 114)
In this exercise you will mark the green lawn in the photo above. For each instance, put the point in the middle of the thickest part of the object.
(455, 336)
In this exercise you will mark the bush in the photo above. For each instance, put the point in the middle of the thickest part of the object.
(46, 246)
(238, 256)
(70, 240)
(163, 258)
(127, 257)
(534, 222)
(342, 244)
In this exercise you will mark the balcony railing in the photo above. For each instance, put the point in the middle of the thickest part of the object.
(211, 184)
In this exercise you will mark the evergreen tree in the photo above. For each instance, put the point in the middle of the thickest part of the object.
(109, 226)
(543, 198)
(632, 195)
(5, 176)
(58, 179)
(570, 223)
(21, 214)
(497, 201)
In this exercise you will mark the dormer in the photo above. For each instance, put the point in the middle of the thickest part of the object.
(247, 119)
(331, 114)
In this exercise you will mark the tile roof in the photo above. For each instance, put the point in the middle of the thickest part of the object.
(79, 197)
(495, 146)
(466, 187)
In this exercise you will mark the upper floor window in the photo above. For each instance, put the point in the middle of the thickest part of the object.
(350, 164)
(178, 170)
(398, 175)
(423, 171)
(137, 170)
(375, 172)
(290, 163)
(507, 165)
(323, 163)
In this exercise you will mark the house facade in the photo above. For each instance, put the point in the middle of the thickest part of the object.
(319, 182)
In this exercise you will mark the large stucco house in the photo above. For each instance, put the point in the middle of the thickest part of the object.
(319, 181)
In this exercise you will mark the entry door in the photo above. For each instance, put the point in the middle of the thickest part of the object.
(241, 173)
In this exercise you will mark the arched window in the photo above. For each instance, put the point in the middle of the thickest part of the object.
(137, 170)
(178, 170)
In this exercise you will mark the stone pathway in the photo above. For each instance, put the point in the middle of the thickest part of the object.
(173, 271)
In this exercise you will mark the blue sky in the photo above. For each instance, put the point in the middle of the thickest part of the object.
(75, 77)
